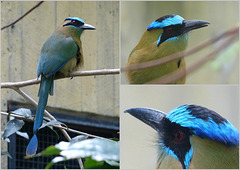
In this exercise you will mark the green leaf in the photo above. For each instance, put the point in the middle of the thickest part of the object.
(23, 134)
(51, 123)
(51, 150)
(12, 127)
(98, 149)
(6, 153)
(112, 163)
(115, 139)
(78, 139)
(91, 163)
(49, 165)
(55, 160)
(50, 127)
(23, 112)
(6, 139)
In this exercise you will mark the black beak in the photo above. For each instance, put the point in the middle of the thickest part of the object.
(194, 24)
(149, 116)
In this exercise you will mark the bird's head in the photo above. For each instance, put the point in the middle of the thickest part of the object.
(174, 26)
(77, 23)
(180, 127)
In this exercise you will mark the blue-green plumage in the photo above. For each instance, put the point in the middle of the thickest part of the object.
(46, 85)
(60, 54)
(55, 53)
(185, 128)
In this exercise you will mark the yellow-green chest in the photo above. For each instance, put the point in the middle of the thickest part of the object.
(77, 60)
(147, 50)
(207, 154)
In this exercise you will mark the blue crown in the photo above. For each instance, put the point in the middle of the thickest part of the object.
(205, 123)
(166, 21)
(74, 18)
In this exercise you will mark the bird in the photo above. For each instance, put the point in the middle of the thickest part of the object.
(192, 137)
(60, 54)
(165, 36)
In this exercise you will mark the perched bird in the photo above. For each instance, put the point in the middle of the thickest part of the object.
(60, 54)
(165, 36)
(193, 137)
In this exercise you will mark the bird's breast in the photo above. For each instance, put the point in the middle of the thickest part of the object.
(73, 64)
(209, 154)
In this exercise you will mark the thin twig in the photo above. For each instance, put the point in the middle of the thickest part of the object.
(231, 32)
(176, 75)
(72, 74)
(17, 116)
(16, 86)
(94, 72)
(57, 126)
(14, 22)
(28, 98)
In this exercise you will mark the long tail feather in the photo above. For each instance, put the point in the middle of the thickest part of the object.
(32, 146)
(46, 85)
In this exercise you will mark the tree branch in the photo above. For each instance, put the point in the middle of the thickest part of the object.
(57, 126)
(14, 22)
(29, 99)
(72, 74)
(176, 75)
(16, 86)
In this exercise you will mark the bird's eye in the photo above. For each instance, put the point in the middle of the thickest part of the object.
(74, 22)
(170, 30)
(179, 135)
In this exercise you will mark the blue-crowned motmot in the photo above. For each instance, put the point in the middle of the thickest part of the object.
(60, 54)
(193, 137)
(165, 36)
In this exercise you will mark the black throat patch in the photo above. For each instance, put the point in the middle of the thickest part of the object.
(177, 139)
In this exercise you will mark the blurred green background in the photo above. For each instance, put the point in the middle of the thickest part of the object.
(223, 15)
(138, 140)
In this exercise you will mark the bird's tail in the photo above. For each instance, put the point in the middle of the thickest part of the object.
(45, 88)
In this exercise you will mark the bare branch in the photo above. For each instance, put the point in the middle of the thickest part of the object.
(172, 77)
(72, 74)
(94, 72)
(14, 22)
(57, 126)
(17, 116)
(29, 99)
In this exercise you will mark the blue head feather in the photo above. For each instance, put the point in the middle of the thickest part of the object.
(74, 18)
(170, 152)
(187, 159)
(220, 129)
(159, 39)
(171, 20)
(164, 22)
